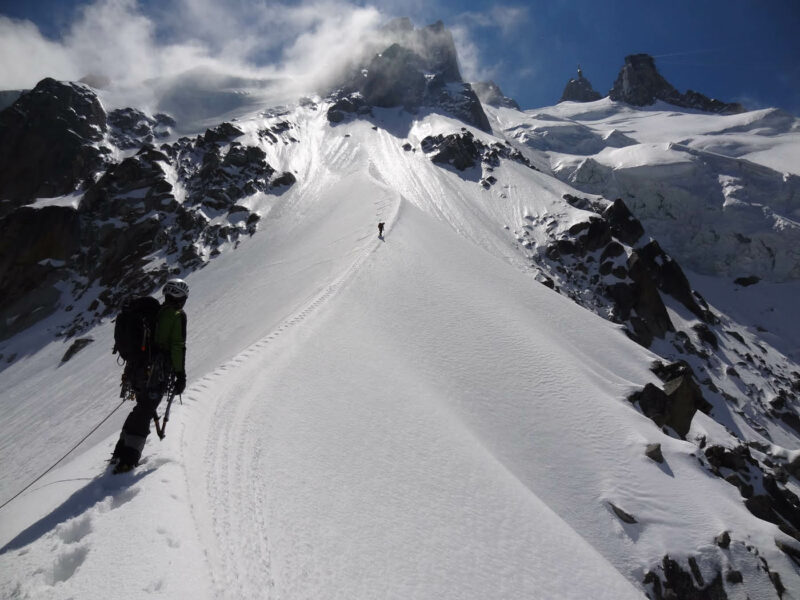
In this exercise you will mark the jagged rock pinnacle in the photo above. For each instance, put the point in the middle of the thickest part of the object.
(415, 68)
(579, 90)
(639, 83)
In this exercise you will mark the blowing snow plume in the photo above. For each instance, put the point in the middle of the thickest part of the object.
(233, 55)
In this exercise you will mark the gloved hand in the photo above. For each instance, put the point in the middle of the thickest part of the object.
(180, 383)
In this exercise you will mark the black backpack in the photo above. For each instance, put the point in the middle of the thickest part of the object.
(134, 329)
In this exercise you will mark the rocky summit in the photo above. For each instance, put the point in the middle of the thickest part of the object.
(579, 90)
(50, 137)
(415, 68)
(639, 83)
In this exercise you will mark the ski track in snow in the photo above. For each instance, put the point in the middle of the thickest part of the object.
(234, 493)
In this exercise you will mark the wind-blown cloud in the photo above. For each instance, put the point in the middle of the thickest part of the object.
(116, 39)
(25, 55)
(507, 19)
(305, 46)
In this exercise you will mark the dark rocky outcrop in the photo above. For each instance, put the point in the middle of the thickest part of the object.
(215, 173)
(601, 255)
(490, 93)
(666, 407)
(458, 100)
(774, 502)
(51, 257)
(50, 142)
(222, 133)
(76, 346)
(222, 180)
(723, 540)
(675, 405)
(120, 216)
(343, 105)
(35, 247)
(705, 335)
(285, 179)
(463, 151)
(584, 203)
(623, 516)
(434, 44)
(579, 90)
(131, 128)
(624, 226)
(675, 582)
(634, 292)
(639, 303)
(280, 131)
(653, 452)
(791, 550)
(670, 278)
(778, 505)
(692, 99)
(747, 281)
(129, 189)
(417, 68)
(395, 78)
(639, 83)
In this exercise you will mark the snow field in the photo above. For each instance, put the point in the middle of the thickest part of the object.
(414, 417)
(365, 454)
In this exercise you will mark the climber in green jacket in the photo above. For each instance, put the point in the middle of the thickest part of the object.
(150, 381)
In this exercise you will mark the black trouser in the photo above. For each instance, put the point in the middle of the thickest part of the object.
(149, 385)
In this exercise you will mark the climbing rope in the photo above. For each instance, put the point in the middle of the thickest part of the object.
(71, 450)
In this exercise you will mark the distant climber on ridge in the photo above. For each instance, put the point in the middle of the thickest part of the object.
(380, 229)
(155, 364)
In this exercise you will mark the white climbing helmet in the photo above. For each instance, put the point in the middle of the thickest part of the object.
(177, 288)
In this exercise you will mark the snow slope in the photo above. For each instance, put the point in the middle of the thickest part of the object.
(408, 417)
(720, 192)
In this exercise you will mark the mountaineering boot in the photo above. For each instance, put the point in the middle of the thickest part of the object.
(123, 467)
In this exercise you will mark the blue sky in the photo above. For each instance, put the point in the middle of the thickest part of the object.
(734, 50)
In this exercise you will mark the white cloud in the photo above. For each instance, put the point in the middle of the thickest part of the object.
(116, 39)
(472, 68)
(309, 41)
(327, 44)
(505, 18)
(26, 56)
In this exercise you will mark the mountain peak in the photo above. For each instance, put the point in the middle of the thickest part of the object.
(579, 90)
(639, 83)
(433, 43)
(413, 68)
(50, 135)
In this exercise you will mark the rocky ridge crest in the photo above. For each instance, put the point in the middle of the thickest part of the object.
(639, 83)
